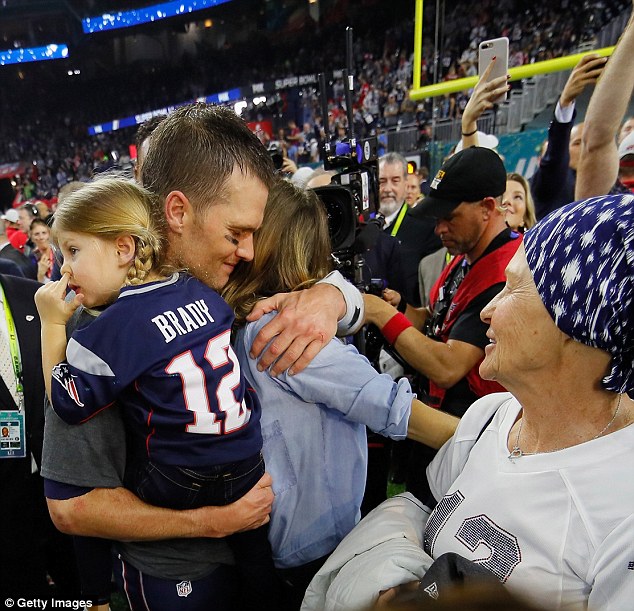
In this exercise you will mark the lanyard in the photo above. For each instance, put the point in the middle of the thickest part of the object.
(15, 350)
(399, 220)
(436, 321)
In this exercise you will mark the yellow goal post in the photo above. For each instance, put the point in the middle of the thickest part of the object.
(519, 72)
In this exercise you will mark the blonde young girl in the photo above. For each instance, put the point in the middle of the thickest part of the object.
(160, 350)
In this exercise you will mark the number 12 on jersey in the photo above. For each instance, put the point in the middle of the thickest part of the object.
(218, 353)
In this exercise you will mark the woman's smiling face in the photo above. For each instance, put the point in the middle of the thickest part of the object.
(523, 337)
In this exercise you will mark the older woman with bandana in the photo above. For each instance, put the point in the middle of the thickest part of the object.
(536, 484)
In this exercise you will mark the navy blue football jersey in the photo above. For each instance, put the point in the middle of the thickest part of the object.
(162, 352)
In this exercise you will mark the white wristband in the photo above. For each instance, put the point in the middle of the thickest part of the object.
(352, 320)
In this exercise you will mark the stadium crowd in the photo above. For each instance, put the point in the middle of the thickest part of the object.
(42, 130)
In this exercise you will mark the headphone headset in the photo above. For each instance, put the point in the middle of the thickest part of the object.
(32, 208)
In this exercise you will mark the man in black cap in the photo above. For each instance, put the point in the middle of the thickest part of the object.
(445, 342)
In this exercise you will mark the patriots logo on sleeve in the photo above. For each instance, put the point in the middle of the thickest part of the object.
(62, 374)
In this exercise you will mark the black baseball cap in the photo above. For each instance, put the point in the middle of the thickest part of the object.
(468, 176)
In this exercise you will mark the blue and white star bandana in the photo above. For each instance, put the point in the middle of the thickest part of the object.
(582, 260)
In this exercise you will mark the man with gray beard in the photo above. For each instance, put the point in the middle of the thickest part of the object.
(416, 235)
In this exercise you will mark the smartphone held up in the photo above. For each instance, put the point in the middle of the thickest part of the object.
(495, 49)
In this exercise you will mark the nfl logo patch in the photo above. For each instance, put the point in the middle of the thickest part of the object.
(184, 588)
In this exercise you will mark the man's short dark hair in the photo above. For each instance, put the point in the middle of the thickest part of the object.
(195, 150)
(146, 128)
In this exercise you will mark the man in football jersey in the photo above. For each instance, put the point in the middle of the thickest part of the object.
(205, 165)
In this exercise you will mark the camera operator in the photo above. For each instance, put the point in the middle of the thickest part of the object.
(417, 239)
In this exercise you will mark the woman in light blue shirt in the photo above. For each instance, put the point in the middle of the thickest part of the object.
(313, 423)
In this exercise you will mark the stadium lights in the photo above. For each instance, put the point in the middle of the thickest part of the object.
(238, 107)
(33, 54)
(148, 14)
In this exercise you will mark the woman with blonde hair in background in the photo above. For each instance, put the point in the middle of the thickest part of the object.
(518, 203)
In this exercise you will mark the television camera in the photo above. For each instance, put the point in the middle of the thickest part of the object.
(352, 204)
(351, 200)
